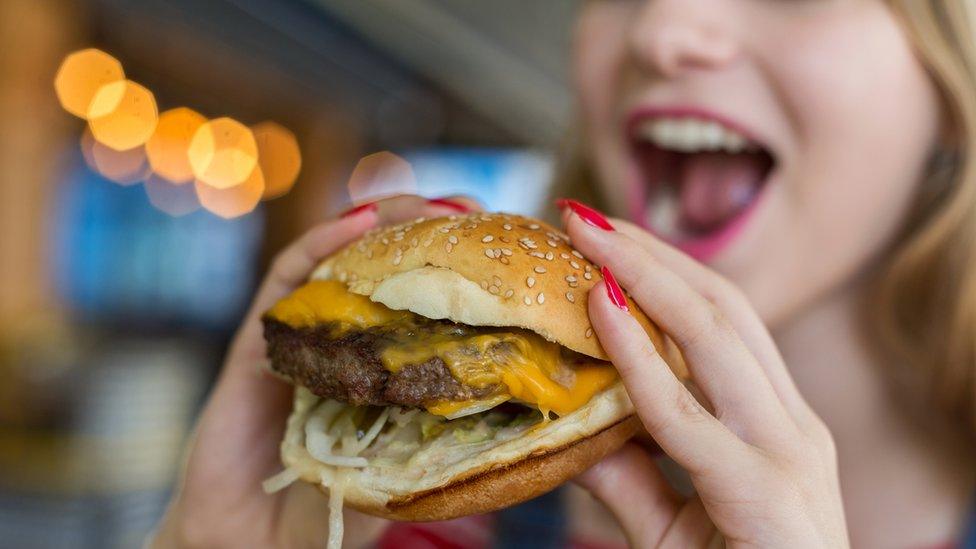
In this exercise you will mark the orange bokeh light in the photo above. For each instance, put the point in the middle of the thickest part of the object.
(80, 76)
(223, 154)
(171, 198)
(123, 167)
(122, 115)
(279, 157)
(233, 201)
(381, 174)
(168, 146)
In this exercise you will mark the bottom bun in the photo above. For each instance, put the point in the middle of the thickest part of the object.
(470, 479)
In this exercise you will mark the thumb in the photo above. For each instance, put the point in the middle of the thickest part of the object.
(630, 484)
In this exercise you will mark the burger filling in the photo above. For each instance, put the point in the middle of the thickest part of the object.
(342, 346)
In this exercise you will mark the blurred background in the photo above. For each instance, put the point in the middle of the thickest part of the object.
(124, 270)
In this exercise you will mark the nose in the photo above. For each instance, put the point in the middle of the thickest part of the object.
(671, 37)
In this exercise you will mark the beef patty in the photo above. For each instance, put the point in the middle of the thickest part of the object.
(346, 366)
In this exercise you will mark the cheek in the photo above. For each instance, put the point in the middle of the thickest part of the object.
(864, 117)
(599, 57)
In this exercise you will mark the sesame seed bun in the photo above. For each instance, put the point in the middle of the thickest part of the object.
(484, 269)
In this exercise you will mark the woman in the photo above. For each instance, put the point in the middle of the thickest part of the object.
(806, 238)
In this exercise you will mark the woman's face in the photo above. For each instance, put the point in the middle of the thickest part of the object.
(779, 141)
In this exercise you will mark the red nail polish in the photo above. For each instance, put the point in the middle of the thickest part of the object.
(448, 203)
(369, 206)
(614, 292)
(585, 212)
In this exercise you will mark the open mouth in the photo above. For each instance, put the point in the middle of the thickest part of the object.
(700, 179)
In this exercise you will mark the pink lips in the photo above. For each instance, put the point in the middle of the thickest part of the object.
(706, 247)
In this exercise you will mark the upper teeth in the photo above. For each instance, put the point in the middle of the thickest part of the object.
(691, 135)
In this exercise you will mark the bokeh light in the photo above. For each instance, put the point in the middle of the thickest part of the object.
(223, 154)
(80, 76)
(123, 167)
(278, 156)
(381, 174)
(168, 146)
(232, 201)
(172, 198)
(122, 115)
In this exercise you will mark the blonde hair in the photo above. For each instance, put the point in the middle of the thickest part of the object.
(922, 310)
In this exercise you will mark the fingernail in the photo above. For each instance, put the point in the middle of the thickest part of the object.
(614, 292)
(448, 203)
(369, 206)
(585, 212)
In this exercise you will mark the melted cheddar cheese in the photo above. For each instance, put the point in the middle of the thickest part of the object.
(523, 365)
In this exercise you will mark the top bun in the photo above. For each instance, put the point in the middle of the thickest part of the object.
(483, 269)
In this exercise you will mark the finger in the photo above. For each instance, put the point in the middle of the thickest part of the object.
(630, 484)
(677, 422)
(721, 365)
(691, 528)
(731, 302)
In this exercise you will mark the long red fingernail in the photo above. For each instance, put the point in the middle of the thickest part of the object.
(585, 212)
(614, 292)
(448, 203)
(369, 206)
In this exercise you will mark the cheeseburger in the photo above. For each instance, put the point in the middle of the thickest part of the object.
(446, 367)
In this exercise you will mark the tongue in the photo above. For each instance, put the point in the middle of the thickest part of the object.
(715, 187)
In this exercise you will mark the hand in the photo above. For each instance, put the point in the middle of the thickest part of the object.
(235, 446)
(763, 464)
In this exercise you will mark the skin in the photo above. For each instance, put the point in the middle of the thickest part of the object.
(814, 81)
(220, 502)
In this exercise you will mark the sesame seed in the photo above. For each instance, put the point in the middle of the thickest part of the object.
(574, 284)
(564, 255)
(471, 226)
(539, 270)
(541, 299)
(574, 264)
(524, 245)
(487, 239)
(540, 255)
(504, 239)
(570, 298)
(444, 230)
(496, 280)
(414, 242)
(570, 278)
(428, 242)
(452, 239)
(534, 227)
(507, 226)
(589, 332)
(490, 254)
(551, 243)
(452, 217)
(397, 259)
(549, 256)
(484, 284)
(398, 235)
(577, 254)
(509, 294)
(527, 300)
(506, 251)
(449, 247)
(494, 290)
(386, 241)
(530, 282)
(588, 275)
